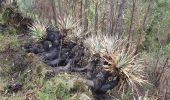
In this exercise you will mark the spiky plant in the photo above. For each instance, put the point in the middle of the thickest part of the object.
(38, 30)
(65, 23)
(115, 52)
(77, 34)
(72, 28)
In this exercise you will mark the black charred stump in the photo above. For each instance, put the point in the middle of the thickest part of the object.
(14, 87)
(66, 56)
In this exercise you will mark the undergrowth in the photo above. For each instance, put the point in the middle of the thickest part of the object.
(18, 67)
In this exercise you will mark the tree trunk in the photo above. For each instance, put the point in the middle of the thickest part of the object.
(119, 22)
(132, 22)
(59, 6)
(81, 9)
(111, 16)
(96, 18)
(142, 34)
(54, 11)
(85, 16)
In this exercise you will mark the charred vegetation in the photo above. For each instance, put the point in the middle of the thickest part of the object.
(67, 56)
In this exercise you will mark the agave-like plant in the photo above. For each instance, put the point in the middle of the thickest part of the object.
(77, 34)
(38, 30)
(66, 22)
(73, 28)
(115, 52)
(102, 44)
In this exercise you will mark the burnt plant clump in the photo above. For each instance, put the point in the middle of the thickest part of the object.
(65, 55)
(14, 87)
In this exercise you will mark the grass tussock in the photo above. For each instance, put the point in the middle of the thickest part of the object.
(66, 23)
(119, 57)
(38, 30)
(74, 30)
